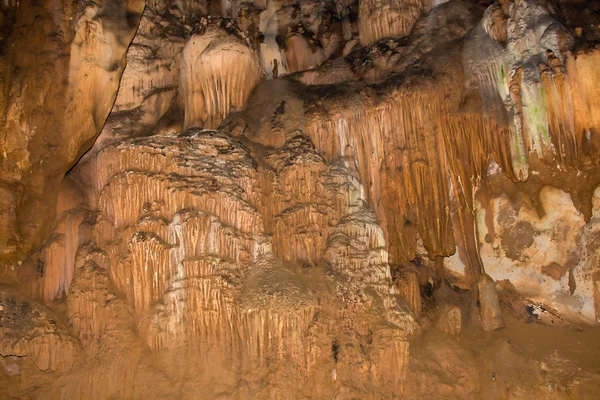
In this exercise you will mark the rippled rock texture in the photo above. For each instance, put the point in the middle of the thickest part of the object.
(297, 199)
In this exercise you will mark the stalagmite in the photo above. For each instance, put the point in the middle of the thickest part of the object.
(407, 284)
(449, 320)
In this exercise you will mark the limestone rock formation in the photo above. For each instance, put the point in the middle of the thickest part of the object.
(219, 69)
(56, 96)
(31, 331)
(199, 271)
(450, 320)
(149, 86)
(299, 199)
(380, 19)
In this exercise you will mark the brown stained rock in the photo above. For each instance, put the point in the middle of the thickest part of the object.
(554, 270)
(60, 74)
(28, 329)
(518, 238)
(407, 283)
(218, 70)
(489, 306)
(384, 19)
(449, 319)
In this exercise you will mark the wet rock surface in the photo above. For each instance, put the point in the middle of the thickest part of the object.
(299, 199)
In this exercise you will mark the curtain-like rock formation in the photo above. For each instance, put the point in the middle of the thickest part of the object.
(218, 71)
(299, 199)
(199, 271)
(380, 19)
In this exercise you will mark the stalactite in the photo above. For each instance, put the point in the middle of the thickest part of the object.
(260, 243)
(414, 157)
(533, 80)
(584, 98)
(218, 71)
(381, 19)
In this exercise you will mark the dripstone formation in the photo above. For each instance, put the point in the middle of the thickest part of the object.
(299, 199)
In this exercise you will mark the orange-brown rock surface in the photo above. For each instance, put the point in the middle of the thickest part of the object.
(219, 69)
(296, 199)
(61, 67)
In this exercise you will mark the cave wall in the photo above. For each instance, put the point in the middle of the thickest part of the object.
(252, 198)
